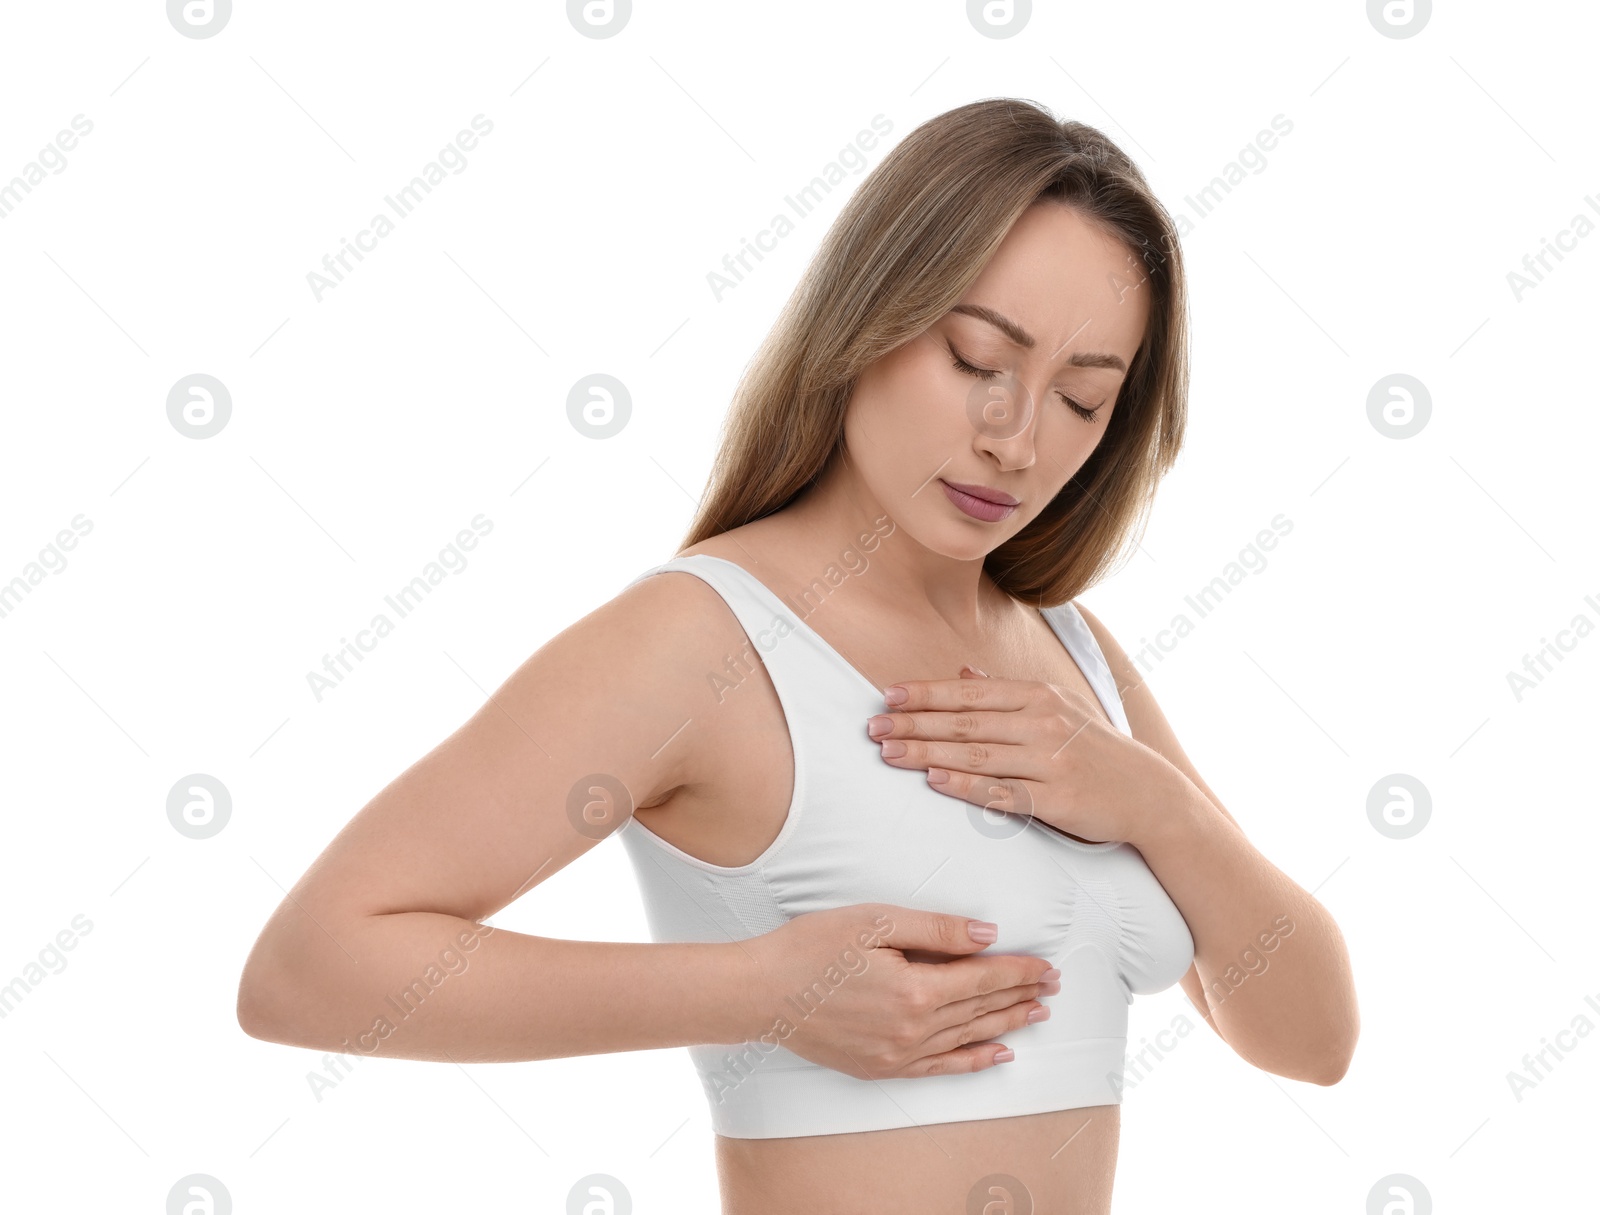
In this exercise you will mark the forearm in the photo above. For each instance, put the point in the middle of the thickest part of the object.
(424, 985)
(1281, 994)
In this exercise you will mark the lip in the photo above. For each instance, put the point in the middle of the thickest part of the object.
(997, 496)
(984, 509)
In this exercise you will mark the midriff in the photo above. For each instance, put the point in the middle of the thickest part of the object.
(1060, 1163)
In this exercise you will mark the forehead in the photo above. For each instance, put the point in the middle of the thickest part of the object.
(1064, 278)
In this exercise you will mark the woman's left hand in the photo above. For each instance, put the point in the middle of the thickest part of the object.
(1030, 748)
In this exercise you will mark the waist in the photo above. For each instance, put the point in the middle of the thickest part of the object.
(1062, 1162)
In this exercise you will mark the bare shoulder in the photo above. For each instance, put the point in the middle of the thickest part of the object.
(687, 618)
(701, 652)
(677, 633)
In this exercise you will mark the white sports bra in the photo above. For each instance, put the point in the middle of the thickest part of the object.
(862, 831)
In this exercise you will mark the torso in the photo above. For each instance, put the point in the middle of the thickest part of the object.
(732, 818)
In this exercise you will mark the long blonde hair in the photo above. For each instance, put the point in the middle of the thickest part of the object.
(905, 248)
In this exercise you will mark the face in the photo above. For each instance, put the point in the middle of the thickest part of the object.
(1006, 395)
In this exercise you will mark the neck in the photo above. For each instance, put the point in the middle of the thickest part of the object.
(839, 523)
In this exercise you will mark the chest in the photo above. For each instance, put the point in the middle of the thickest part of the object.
(734, 817)
(1024, 646)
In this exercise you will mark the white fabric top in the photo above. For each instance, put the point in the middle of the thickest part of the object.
(862, 831)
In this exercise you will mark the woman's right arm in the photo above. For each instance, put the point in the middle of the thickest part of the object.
(380, 947)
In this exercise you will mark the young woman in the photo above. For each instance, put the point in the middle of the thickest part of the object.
(884, 783)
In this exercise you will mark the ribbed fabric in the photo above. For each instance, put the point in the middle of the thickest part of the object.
(861, 831)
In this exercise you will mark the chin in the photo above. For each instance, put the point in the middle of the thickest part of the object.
(963, 543)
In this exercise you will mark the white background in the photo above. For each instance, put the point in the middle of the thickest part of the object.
(431, 385)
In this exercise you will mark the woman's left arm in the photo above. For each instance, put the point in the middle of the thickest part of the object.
(1271, 973)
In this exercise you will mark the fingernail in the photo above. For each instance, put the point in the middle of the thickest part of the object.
(1038, 1014)
(881, 724)
(982, 930)
(1052, 973)
(895, 695)
(1052, 988)
(975, 671)
(1004, 1055)
(892, 748)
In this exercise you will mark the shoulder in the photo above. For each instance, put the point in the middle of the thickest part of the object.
(648, 662)
(686, 613)
(1122, 667)
(689, 637)
(675, 603)
(671, 622)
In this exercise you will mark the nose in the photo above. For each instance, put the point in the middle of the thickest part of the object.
(1003, 419)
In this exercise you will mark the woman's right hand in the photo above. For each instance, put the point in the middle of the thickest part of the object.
(884, 1015)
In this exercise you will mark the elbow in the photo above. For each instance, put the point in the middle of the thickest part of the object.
(253, 1009)
(264, 1002)
(255, 1024)
(1324, 1062)
(1330, 1067)
(1337, 1061)
(1325, 1070)
(1330, 1072)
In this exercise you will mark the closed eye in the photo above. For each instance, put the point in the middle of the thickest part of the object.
(1083, 411)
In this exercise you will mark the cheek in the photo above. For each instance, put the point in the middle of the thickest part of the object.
(1067, 435)
(911, 402)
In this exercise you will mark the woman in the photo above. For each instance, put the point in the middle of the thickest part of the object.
(857, 897)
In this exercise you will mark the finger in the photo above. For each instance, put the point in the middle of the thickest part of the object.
(963, 1011)
(1001, 794)
(963, 1059)
(971, 1047)
(990, 758)
(939, 932)
(987, 1027)
(948, 694)
(960, 725)
(965, 978)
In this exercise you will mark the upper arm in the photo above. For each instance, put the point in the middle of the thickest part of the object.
(607, 704)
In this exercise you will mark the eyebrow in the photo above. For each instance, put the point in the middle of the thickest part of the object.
(1021, 337)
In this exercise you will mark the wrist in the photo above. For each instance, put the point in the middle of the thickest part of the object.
(1174, 821)
(742, 1002)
